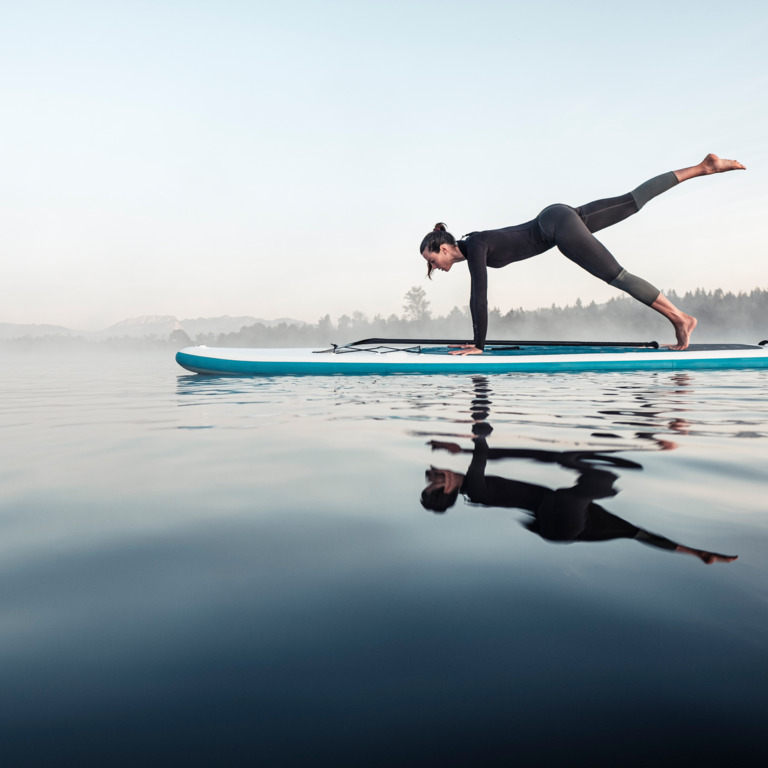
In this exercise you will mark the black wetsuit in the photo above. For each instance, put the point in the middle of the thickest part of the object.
(570, 229)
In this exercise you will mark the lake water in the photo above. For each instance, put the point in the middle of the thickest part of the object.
(222, 571)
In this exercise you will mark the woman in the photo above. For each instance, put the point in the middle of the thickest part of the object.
(570, 229)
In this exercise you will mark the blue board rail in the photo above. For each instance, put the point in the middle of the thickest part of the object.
(385, 356)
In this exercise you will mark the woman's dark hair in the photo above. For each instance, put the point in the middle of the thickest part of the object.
(438, 500)
(432, 242)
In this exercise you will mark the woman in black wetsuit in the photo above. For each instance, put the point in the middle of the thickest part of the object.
(570, 229)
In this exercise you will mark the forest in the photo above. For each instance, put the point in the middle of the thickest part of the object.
(723, 317)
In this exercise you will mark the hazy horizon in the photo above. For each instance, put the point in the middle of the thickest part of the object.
(400, 314)
(203, 159)
(724, 317)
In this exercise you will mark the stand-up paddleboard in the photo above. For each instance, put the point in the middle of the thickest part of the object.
(425, 356)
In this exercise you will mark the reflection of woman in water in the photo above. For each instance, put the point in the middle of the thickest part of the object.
(561, 515)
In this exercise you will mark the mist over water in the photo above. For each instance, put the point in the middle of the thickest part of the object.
(251, 571)
(723, 318)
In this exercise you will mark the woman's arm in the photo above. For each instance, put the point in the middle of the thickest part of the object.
(478, 300)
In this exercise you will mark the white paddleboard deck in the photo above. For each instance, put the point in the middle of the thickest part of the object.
(421, 359)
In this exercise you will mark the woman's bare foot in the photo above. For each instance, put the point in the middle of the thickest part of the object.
(714, 164)
(683, 324)
(683, 330)
(710, 164)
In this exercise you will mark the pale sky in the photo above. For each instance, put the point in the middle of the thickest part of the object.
(225, 157)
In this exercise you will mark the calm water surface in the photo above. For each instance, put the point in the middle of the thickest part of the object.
(446, 570)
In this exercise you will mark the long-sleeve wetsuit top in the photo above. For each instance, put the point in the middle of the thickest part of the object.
(496, 248)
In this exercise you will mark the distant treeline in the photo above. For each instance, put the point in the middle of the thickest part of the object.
(722, 317)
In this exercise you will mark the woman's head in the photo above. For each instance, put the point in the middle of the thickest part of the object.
(432, 248)
(442, 491)
(437, 500)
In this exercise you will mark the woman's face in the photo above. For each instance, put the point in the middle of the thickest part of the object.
(442, 260)
(443, 479)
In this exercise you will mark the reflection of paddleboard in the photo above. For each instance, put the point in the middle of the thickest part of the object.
(384, 356)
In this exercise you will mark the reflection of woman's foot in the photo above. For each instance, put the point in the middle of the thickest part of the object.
(711, 557)
(707, 557)
(714, 164)
(681, 426)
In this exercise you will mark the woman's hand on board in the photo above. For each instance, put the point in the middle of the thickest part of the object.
(467, 349)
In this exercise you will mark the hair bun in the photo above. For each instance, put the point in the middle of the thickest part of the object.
(440, 227)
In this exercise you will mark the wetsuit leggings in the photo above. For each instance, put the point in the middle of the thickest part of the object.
(570, 229)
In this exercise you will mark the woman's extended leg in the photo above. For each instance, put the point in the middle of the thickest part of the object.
(600, 214)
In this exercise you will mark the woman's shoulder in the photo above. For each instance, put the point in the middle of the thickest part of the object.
(477, 241)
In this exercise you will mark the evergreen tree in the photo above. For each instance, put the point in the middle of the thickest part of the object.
(416, 306)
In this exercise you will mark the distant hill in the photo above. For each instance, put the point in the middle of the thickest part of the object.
(137, 327)
(227, 324)
(19, 331)
(146, 326)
